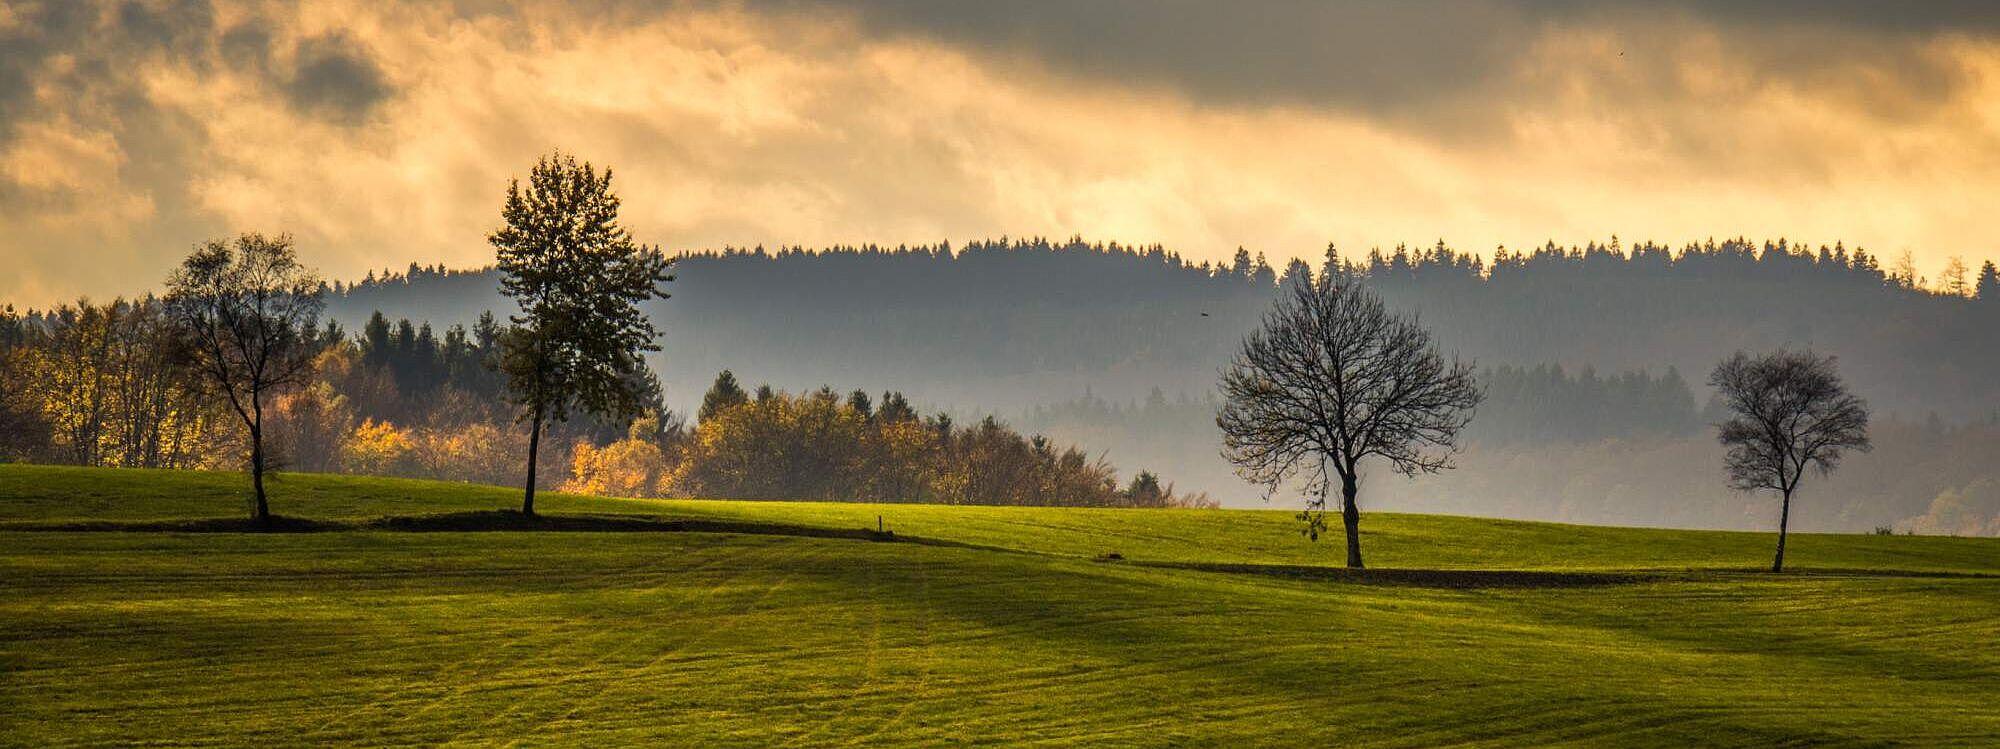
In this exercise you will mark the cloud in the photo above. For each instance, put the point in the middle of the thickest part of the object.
(336, 79)
(382, 133)
(1386, 57)
(1418, 62)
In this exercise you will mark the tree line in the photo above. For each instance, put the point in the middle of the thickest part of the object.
(998, 325)
(821, 445)
(102, 385)
(232, 367)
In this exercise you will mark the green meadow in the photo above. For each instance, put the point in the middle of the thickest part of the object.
(134, 611)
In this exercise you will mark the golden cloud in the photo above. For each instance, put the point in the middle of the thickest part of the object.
(728, 125)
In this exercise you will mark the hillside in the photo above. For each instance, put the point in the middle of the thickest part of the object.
(980, 625)
(1595, 357)
(1006, 325)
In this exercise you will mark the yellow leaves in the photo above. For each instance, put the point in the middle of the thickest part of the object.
(378, 448)
(626, 468)
(479, 452)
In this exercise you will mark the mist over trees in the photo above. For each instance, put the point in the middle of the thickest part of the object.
(1051, 332)
(1011, 324)
(1116, 349)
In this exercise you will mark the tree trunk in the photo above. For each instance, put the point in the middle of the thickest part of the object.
(1784, 519)
(1350, 516)
(534, 450)
(257, 458)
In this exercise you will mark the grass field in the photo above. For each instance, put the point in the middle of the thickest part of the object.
(1000, 626)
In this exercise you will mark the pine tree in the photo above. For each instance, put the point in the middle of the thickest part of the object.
(722, 395)
(375, 339)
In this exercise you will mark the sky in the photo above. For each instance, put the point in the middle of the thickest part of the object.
(379, 133)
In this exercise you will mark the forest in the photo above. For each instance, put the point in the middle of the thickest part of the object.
(1594, 357)
(100, 385)
(1585, 354)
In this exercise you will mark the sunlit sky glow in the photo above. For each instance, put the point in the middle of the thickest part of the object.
(381, 133)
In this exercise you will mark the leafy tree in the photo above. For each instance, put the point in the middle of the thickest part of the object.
(725, 393)
(24, 433)
(631, 467)
(379, 449)
(1789, 411)
(579, 279)
(246, 311)
(1332, 378)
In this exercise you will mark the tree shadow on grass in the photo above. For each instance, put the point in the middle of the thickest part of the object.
(1466, 579)
(483, 521)
(512, 521)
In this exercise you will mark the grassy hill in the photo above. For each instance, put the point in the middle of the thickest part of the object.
(996, 626)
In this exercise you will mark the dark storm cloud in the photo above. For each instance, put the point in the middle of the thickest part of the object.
(1362, 55)
(1978, 17)
(1394, 59)
(337, 78)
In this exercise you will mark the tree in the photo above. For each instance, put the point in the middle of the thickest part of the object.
(725, 393)
(1904, 272)
(1332, 378)
(1789, 411)
(246, 313)
(579, 279)
(375, 339)
(1988, 287)
(1953, 279)
(24, 432)
(895, 408)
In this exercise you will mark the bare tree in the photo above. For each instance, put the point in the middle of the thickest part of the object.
(246, 311)
(1330, 379)
(1955, 278)
(1790, 411)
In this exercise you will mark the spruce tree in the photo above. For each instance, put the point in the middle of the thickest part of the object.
(721, 396)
